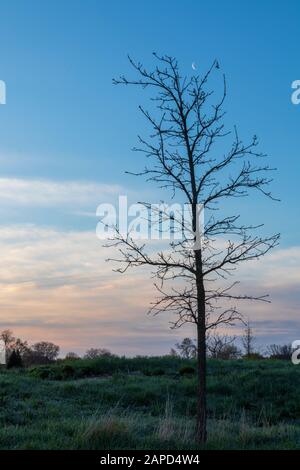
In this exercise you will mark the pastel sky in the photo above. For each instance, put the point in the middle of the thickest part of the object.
(66, 135)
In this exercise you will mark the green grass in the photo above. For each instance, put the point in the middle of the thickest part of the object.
(144, 403)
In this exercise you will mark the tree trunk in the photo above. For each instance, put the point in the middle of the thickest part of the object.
(201, 372)
(201, 432)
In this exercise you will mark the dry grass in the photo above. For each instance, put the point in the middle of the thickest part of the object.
(107, 428)
(171, 428)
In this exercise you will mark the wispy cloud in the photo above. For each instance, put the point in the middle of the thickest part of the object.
(34, 192)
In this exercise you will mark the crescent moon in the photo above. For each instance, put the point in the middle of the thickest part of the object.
(194, 66)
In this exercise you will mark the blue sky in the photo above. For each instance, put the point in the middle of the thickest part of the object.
(64, 121)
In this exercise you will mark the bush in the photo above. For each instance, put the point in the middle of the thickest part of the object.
(187, 370)
(41, 372)
(152, 372)
(85, 371)
(158, 372)
(253, 356)
(68, 371)
(108, 366)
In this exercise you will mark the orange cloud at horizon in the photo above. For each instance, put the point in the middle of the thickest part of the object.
(56, 286)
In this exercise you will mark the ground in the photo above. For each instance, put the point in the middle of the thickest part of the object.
(149, 403)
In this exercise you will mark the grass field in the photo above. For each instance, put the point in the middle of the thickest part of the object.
(145, 403)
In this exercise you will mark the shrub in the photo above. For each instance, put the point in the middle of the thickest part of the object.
(158, 372)
(255, 356)
(187, 370)
(68, 371)
(150, 372)
(85, 371)
(40, 372)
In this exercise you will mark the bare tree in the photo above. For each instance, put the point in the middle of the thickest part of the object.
(173, 352)
(186, 158)
(12, 343)
(46, 350)
(21, 346)
(187, 348)
(7, 337)
(248, 340)
(94, 353)
(72, 356)
(280, 351)
(222, 347)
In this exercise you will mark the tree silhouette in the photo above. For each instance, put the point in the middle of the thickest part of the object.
(185, 158)
(248, 340)
(46, 350)
(7, 337)
(14, 360)
(187, 348)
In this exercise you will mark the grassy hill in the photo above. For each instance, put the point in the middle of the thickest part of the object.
(149, 403)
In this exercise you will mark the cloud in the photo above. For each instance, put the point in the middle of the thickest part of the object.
(56, 285)
(47, 193)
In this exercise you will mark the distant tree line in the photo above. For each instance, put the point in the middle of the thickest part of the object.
(20, 354)
(226, 348)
